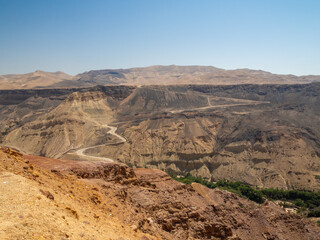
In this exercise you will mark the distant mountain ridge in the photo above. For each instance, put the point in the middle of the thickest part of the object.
(37, 79)
(152, 75)
(171, 75)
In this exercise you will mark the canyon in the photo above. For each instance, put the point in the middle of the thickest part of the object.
(100, 149)
(264, 135)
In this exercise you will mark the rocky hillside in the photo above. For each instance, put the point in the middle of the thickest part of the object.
(42, 204)
(154, 99)
(267, 136)
(76, 122)
(263, 135)
(37, 79)
(49, 198)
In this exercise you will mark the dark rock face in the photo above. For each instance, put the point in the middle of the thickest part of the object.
(13, 97)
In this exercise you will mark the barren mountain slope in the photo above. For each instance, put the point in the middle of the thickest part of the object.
(271, 140)
(76, 122)
(80, 120)
(59, 199)
(36, 79)
(277, 157)
(39, 204)
(147, 100)
(13, 115)
(264, 135)
(169, 75)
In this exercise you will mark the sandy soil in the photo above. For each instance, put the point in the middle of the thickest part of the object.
(39, 204)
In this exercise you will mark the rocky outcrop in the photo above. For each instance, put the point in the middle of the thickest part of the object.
(237, 147)
(39, 203)
(151, 202)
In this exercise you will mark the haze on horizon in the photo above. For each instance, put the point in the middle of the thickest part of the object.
(76, 36)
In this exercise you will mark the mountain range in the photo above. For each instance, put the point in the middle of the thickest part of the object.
(153, 75)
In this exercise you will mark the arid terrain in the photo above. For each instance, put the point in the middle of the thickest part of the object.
(64, 199)
(37, 79)
(153, 75)
(92, 154)
(265, 135)
(159, 120)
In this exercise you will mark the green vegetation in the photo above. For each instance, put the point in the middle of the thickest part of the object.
(235, 187)
(314, 213)
(303, 200)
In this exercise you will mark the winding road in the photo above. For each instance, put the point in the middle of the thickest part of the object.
(112, 130)
(81, 152)
(244, 103)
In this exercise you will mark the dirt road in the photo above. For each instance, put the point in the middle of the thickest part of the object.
(112, 131)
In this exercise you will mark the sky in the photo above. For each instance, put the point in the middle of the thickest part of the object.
(74, 36)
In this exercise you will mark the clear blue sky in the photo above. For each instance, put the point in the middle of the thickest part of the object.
(280, 36)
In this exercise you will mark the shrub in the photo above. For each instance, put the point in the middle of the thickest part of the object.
(314, 213)
(306, 200)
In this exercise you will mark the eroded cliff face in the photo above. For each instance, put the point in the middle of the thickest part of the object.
(153, 99)
(76, 122)
(264, 135)
(277, 158)
(168, 139)
(78, 199)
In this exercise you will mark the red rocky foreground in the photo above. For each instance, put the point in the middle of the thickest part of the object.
(64, 199)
